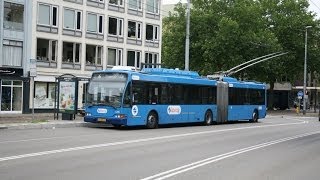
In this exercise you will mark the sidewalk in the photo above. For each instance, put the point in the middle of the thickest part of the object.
(45, 120)
(39, 121)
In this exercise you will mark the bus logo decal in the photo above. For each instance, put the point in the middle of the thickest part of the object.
(174, 110)
(102, 111)
(134, 110)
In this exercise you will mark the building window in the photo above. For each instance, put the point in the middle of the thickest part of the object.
(71, 52)
(152, 6)
(93, 55)
(13, 16)
(94, 23)
(99, 1)
(44, 95)
(116, 2)
(47, 50)
(12, 53)
(135, 4)
(151, 58)
(48, 15)
(72, 19)
(114, 57)
(152, 32)
(133, 58)
(134, 29)
(115, 26)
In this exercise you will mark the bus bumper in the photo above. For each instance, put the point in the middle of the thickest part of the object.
(116, 121)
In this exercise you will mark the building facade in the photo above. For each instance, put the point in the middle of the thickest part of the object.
(77, 37)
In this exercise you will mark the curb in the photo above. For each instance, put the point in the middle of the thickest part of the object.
(49, 125)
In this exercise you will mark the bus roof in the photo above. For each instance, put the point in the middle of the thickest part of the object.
(233, 82)
(181, 77)
(165, 75)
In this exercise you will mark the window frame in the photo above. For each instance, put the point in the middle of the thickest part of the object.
(51, 20)
(119, 28)
(138, 4)
(74, 51)
(50, 53)
(118, 3)
(155, 33)
(156, 9)
(138, 30)
(96, 55)
(98, 23)
(75, 23)
(137, 61)
(119, 56)
(23, 14)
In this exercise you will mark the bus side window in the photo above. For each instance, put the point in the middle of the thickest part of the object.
(127, 97)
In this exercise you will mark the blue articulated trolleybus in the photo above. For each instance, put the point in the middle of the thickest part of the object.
(155, 96)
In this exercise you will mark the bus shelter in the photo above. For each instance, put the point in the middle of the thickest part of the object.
(66, 96)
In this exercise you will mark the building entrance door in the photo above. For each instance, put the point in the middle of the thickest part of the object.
(11, 96)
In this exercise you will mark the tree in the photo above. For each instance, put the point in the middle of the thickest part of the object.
(225, 33)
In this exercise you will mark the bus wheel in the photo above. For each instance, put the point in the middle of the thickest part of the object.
(152, 120)
(254, 116)
(117, 126)
(207, 118)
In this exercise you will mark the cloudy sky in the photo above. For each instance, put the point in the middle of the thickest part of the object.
(314, 4)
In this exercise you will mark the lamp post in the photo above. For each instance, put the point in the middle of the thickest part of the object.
(305, 70)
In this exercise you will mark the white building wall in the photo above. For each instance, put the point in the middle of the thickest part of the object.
(46, 74)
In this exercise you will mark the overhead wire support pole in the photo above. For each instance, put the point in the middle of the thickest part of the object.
(187, 38)
(277, 55)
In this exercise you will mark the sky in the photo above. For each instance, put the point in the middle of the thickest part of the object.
(314, 4)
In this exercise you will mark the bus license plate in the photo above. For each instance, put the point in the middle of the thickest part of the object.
(101, 120)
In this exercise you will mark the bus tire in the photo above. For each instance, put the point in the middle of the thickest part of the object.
(117, 126)
(152, 120)
(208, 118)
(255, 116)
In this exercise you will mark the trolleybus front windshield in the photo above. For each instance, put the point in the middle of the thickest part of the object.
(106, 89)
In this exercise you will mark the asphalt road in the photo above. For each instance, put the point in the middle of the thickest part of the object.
(278, 147)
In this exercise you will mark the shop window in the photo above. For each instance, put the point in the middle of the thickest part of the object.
(44, 95)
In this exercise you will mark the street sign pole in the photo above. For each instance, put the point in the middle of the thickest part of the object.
(33, 73)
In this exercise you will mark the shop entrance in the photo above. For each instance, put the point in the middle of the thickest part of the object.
(11, 96)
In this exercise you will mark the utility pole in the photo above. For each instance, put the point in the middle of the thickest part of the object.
(305, 71)
(186, 60)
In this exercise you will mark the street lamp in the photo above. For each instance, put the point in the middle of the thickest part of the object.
(305, 70)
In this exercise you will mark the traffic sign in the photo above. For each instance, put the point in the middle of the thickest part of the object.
(300, 94)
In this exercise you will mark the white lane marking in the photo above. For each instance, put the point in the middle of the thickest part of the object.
(62, 137)
(138, 141)
(194, 165)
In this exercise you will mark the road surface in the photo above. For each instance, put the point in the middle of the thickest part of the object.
(278, 147)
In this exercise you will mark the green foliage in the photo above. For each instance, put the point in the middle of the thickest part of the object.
(226, 33)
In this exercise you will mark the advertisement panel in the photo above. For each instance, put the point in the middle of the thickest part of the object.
(67, 96)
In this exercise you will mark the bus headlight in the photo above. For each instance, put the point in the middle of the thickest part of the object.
(120, 116)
